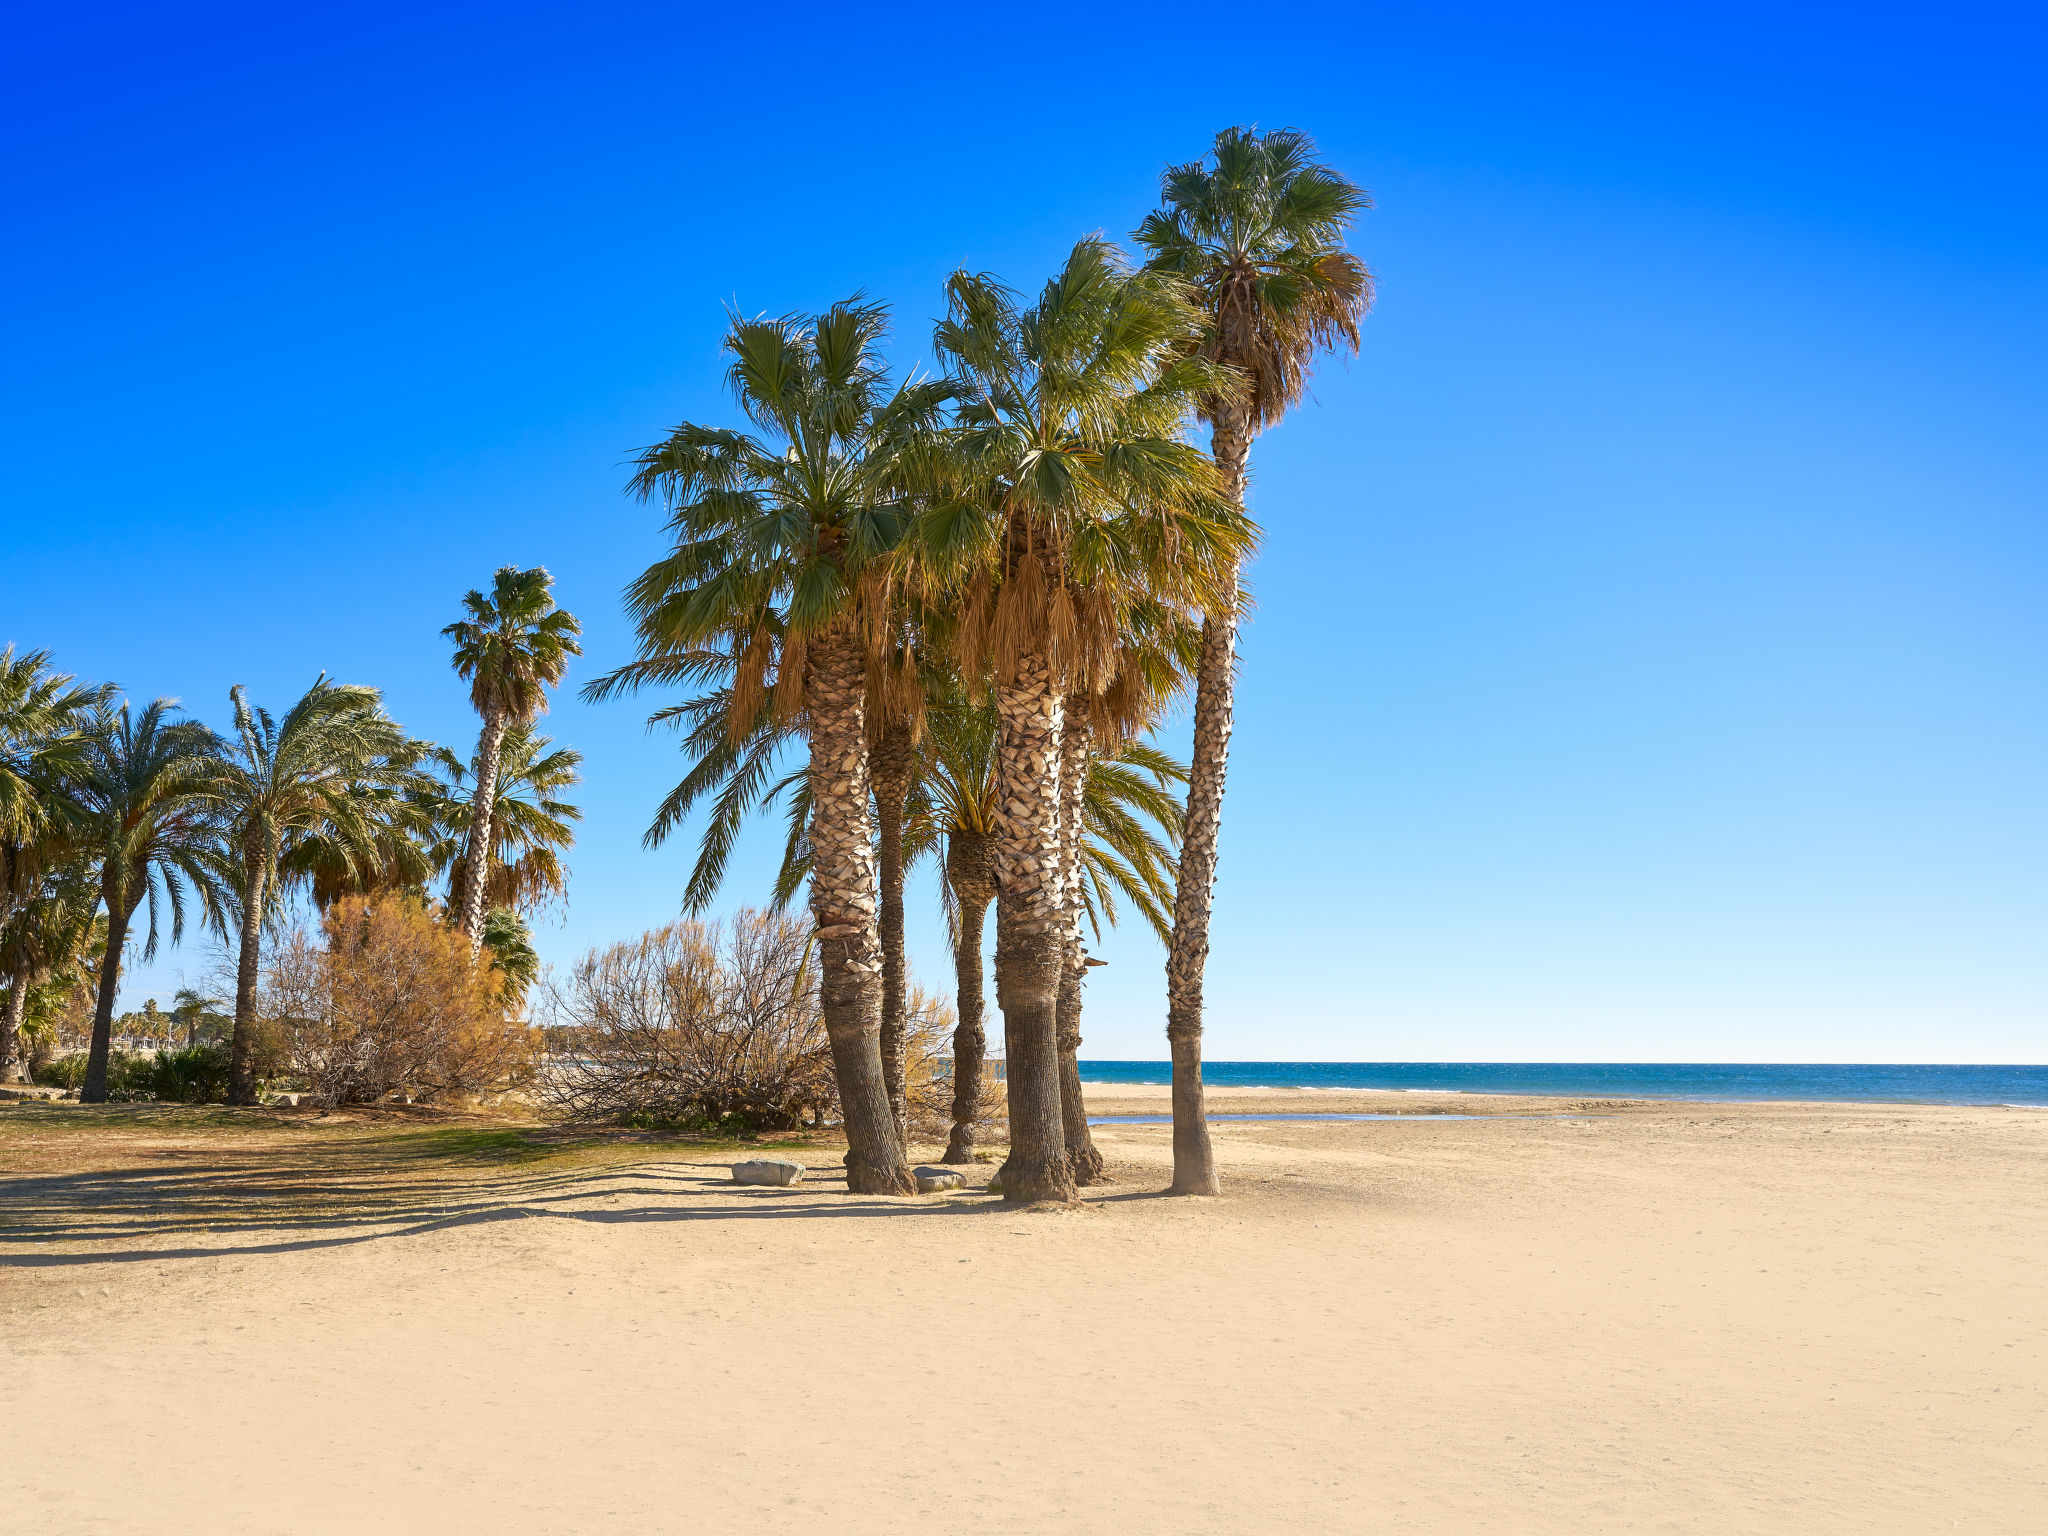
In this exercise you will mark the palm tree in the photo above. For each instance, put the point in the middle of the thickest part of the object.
(149, 817)
(779, 574)
(45, 934)
(510, 943)
(196, 1011)
(1073, 497)
(1109, 848)
(44, 716)
(284, 786)
(1258, 231)
(530, 822)
(512, 648)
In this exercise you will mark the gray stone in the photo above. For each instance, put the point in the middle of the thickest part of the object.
(995, 1184)
(768, 1170)
(931, 1180)
(29, 1091)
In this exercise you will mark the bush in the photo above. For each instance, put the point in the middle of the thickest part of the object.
(66, 1072)
(130, 1077)
(697, 1026)
(386, 999)
(193, 1074)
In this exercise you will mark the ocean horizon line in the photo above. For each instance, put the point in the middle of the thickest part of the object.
(2017, 1085)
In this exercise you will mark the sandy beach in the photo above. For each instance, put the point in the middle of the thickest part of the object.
(1647, 1317)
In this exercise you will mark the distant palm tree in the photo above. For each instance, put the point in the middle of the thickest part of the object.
(513, 647)
(149, 818)
(1257, 230)
(530, 821)
(1073, 496)
(778, 585)
(196, 1011)
(509, 943)
(308, 780)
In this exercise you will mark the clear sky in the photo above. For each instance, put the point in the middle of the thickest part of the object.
(1650, 655)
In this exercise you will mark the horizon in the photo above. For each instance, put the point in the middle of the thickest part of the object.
(1647, 651)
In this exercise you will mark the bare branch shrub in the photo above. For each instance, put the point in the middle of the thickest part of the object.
(711, 1026)
(386, 998)
(928, 1065)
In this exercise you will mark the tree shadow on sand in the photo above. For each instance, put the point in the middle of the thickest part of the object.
(366, 1189)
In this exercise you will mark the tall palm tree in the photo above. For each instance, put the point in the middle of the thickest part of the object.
(530, 821)
(779, 569)
(1073, 496)
(282, 786)
(149, 817)
(1257, 229)
(513, 647)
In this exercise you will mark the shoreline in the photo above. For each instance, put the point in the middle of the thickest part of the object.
(1157, 1092)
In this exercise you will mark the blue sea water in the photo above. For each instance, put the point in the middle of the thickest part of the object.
(1728, 1081)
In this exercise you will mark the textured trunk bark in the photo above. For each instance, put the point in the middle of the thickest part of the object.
(1082, 1155)
(890, 763)
(969, 869)
(483, 804)
(241, 1069)
(1194, 1161)
(94, 1089)
(843, 908)
(1029, 924)
(11, 1015)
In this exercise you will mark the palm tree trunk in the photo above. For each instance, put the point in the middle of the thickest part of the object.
(11, 1015)
(483, 802)
(1082, 1155)
(967, 867)
(241, 1070)
(890, 765)
(1029, 924)
(94, 1089)
(1194, 1160)
(843, 908)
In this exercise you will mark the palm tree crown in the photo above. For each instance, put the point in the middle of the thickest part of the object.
(1259, 235)
(1074, 493)
(530, 821)
(44, 721)
(311, 778)
(781, 537)
(515, 644)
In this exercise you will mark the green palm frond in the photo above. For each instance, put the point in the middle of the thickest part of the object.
(1257, 233)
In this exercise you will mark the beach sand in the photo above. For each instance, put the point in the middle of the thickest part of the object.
(1656, 1317)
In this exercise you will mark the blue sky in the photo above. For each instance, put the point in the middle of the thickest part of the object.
(1650, 654)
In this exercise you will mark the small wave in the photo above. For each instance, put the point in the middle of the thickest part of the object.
(2023, 1106)
(1430, 1090)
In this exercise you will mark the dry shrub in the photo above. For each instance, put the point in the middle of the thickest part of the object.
(928, 1061)
(386, 999)
(711, 1026)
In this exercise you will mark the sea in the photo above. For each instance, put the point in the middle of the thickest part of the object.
(1734, 1082)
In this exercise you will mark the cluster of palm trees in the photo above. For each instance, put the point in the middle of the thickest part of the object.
(969, 597)
(113, 815)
